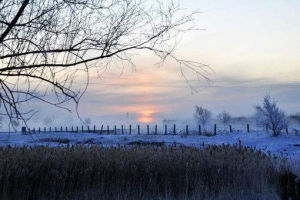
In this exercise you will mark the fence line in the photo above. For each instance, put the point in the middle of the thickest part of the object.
(122, 130)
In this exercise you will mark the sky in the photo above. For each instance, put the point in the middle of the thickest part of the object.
(252, 47)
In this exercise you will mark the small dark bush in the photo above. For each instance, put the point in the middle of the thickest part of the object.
(288, 185)
(145, 143)
(56, 140)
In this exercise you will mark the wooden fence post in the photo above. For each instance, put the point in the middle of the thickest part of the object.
(166, 131)
(230, 128)
(44, 129)
(55, 129)
(199, 129)
(122, 129)
(138, 129)
(287, 130)
(72, 129)
(23, 130)
(61, 129)
(215, 129)
(82, 128)
(66, 129)
(147, 129)
(29, 131)
(187, 129)
(107, 129)
(155, 129)
(77, 129)
(88, 128)
(130, 129)
(115, 130)
(248, 128)
(101, 129)
(94, 128)
(39, 130)
(50, 129)
(174, 129)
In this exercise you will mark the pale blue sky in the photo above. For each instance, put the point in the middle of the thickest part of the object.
(252, 45)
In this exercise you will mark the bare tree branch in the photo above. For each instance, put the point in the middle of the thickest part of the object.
(47, 45)
(14, 21)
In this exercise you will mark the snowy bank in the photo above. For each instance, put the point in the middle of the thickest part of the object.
(283, 145)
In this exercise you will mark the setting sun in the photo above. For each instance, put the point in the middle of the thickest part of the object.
(145, 116)
(143, 119)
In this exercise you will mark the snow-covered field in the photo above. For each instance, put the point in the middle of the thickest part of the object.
(283, 145)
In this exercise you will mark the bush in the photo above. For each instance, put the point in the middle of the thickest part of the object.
(224, 117)
(202, 115)
(137, 172)
(269, 115)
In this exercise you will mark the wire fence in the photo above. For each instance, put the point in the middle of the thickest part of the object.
(154, 130)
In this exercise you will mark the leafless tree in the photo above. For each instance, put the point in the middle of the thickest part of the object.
(1, 121)
(202, 115)
(270, 115)
(48, 121)
(87, 121)
(16, 123)
(47, 46)
(224, 117)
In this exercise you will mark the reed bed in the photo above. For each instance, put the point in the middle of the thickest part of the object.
(137, 172)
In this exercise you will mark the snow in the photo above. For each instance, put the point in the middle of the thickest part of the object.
(282, 145)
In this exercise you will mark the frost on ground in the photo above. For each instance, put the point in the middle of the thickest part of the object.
(282, 145)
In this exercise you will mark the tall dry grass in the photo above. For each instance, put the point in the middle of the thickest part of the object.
(78, 172)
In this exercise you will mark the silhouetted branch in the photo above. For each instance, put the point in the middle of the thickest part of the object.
(46, 45)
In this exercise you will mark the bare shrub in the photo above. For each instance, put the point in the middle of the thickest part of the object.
(48, 121)
(271, 116)
(202, 115)
(87, 121)
(224, 117)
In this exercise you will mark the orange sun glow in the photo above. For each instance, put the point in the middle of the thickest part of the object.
(146, 116)
(144, 119)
